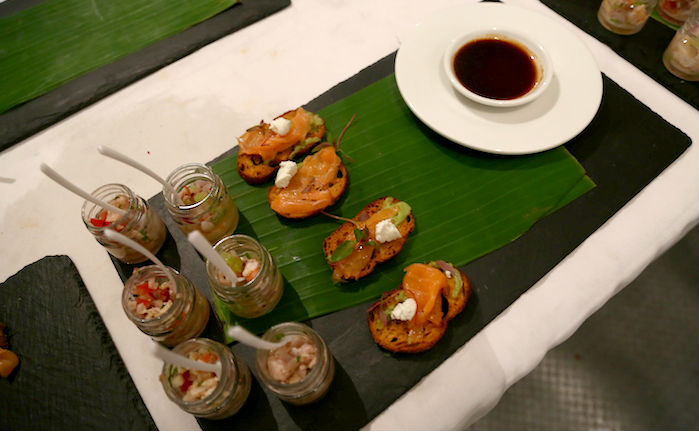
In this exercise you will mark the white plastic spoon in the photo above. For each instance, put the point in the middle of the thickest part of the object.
(53, 175)
(109, 152)
(204, 247)
(121, 238)
(244, 336)
(175, 359)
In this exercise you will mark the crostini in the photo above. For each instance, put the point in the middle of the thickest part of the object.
(264, 146)
(411, 319)
(376, 234)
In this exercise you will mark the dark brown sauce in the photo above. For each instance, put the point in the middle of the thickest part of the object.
(495, 68)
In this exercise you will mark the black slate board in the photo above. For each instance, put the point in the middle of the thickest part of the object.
(644, 49)
(70, 375)
(622, 151)
(43, 111)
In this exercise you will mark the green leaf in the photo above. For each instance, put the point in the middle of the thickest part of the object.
(46, 45)
(465, 203)
(342, 251)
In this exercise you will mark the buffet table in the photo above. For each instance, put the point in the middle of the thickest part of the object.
(192, 111)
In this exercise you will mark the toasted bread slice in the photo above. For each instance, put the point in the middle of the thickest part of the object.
(402, 336)
(365, 255)
(313, 188)
(254, 170)
(406, 336)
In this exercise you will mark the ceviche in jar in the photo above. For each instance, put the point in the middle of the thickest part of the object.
(198, 200)
(168, 314)
(676, 11)
(625, 17)
(207, 394)
(258, 284)
(300, 371)
(139, 222)
(681, 57)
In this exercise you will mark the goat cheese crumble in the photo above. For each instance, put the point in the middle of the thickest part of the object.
(404, 311)
(280, 126)
(386, 231)
(287, 169)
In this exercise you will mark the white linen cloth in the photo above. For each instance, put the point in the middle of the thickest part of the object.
(194, 109)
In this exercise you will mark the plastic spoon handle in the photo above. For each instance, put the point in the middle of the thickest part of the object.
(202, 245)
(173, 358)
(109, 152)
(53, 175)
(121, 238)
(244, 336)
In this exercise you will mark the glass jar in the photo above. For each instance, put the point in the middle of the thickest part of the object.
(257, 296)
(231, 389)
(210, 209)
(318, 379)
(140, 223)
(676, 11)
(183, 318)
(625, 17)
(681, 57)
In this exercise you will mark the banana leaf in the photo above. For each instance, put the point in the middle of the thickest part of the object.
(465, 203)
(55, 41)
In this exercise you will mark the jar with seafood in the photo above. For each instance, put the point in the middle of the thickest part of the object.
(139, 222)
(300, 371)
(168, 314)
(258, 285)
(205, 394)
(681, 57)
(197, 199)
(625, 17)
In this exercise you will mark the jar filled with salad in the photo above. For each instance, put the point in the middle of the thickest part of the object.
(300, 371)
(205, 394)
(681, 57)
(258, 285)
(676, 11)
(139, 223)
(197, 199)
(168, 314)
(625, 17)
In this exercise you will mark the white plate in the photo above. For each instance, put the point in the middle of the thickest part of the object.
(563, 111)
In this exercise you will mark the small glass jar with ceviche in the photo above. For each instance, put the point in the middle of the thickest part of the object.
(139, 223)
(681, 57)
(197, 199)
(258, 286)
(676, 11)
(168, 314)
(207, 394)
(299, 372)
(625, 17)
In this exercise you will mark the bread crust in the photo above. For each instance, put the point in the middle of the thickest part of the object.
(254, 170)
(381, 252)
(406, 337)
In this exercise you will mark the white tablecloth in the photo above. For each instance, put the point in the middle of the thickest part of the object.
(194, 109)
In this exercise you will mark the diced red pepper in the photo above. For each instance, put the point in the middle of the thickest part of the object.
(102, 221)
(143, 290)
(144, 301)
(187, 381)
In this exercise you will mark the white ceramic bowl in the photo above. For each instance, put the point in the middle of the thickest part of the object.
(538, 55)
